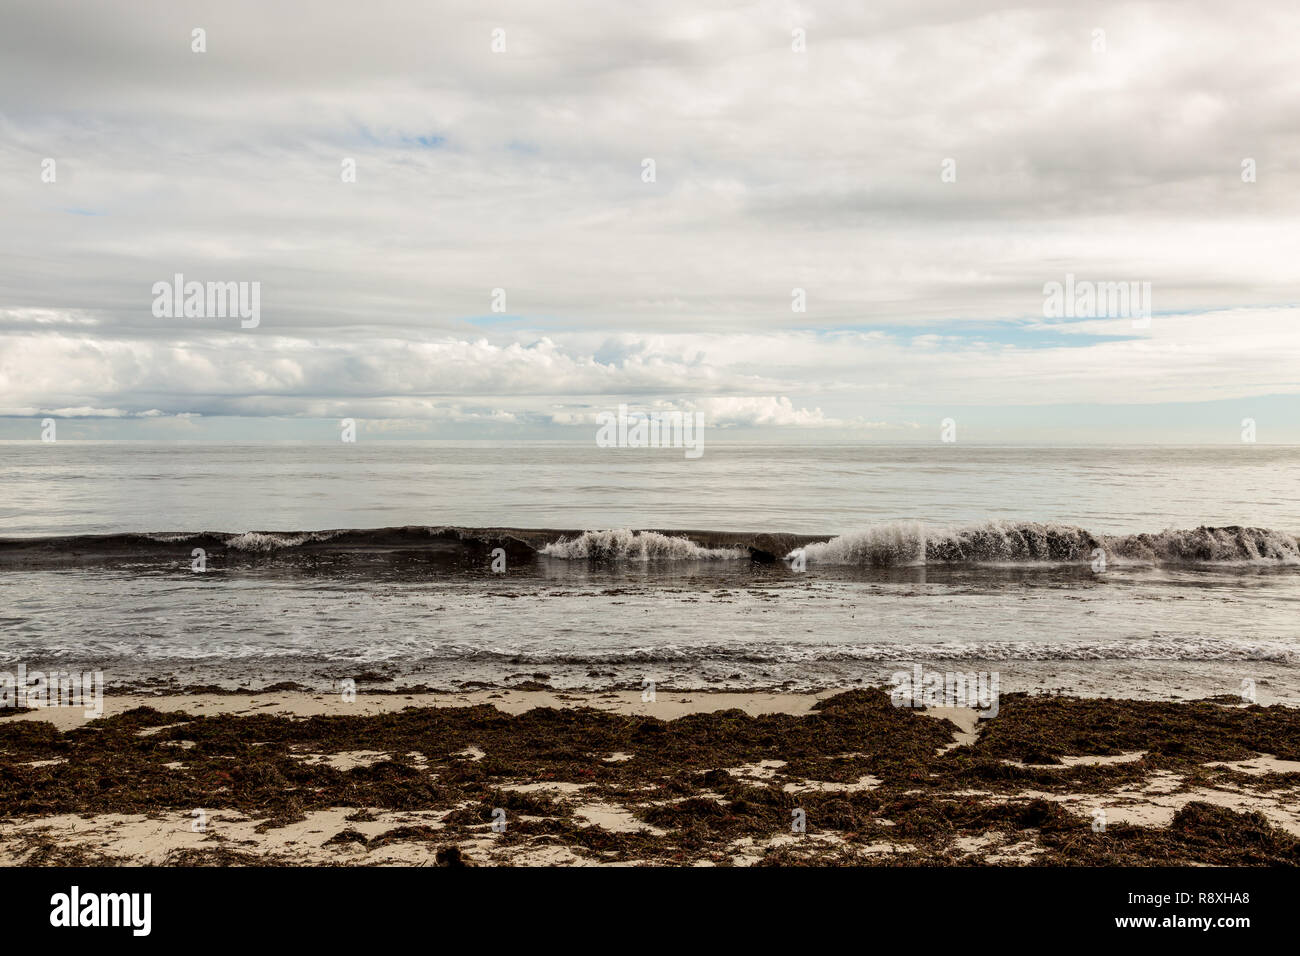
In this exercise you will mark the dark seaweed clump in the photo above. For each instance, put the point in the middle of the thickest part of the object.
(685, 783)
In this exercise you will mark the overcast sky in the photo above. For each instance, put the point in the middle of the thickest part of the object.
(1114, 156)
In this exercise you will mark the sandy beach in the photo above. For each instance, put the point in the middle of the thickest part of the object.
(540, 777)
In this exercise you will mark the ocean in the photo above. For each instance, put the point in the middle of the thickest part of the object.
(1157, 572)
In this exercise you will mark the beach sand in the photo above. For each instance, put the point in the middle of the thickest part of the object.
(540, 777)
(667, 705)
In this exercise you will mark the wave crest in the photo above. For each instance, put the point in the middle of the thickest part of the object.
(624, 544)
(1000, 542)
(266, 541)
(1217, 545)
(900, 544)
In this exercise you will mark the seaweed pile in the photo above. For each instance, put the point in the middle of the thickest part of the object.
(873, 784)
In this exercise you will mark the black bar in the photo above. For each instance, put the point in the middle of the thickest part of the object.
(337, 906)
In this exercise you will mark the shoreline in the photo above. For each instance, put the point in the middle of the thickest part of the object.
(1270, 682)
(669, 704)
(292, 699)
(690, 778)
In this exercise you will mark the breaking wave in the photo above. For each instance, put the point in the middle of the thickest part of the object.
(888, 545)
(262, 541)
(624, 544)
(998, 542)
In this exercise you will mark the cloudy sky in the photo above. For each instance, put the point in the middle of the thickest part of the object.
(919, 169)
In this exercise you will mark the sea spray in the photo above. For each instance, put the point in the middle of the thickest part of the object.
(889, 545)
(623, 544)
(1000, 542)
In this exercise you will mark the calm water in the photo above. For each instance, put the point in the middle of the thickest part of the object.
(1133, 629)
(80, 487)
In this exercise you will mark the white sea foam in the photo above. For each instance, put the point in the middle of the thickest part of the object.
(1209, 545)
(623, 544)
(264, 541)
(1000, 542)
(898, 544)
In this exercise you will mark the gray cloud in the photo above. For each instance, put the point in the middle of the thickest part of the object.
(522, 171)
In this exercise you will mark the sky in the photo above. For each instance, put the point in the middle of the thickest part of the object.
(820, 221)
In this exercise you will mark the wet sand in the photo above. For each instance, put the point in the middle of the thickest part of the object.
(667, 705)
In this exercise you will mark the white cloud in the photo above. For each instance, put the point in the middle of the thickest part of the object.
(521, 171)
(759, 379)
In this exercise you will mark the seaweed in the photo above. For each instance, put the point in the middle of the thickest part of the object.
(686, 793)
